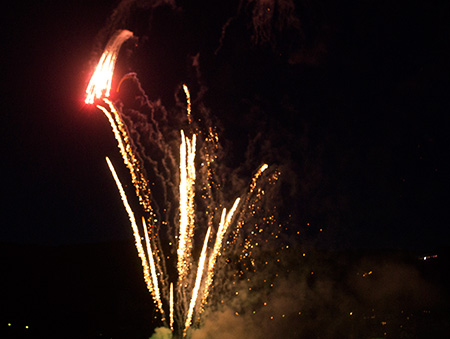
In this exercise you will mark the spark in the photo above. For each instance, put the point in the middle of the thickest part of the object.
(156, 294)
(223, 226)
(129, 158)
(187, 214)
(100, 84)
(171, 306)
(188, 99)
(248, 198)
(137, 237)
(256, 176)
(198, 279)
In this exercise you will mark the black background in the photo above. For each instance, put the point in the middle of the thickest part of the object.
(353, 104)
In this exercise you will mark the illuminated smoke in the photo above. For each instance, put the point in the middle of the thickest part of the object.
(267, 14)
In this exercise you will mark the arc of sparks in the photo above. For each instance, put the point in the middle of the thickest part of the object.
(255, 178)
(198, 280)
(137, 238)
(187, 213)
(171, 307)
(223, 226)
(188, 100)
(129, 158)
(156, 293)
(100, 84)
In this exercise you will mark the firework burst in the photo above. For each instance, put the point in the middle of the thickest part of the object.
(184, 290)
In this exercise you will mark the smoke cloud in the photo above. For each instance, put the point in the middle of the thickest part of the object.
(325, 297)
(162, 333)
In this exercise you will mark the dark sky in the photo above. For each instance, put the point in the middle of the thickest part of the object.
(350, 99)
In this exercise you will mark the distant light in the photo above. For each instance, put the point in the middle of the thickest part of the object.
(427, 257)
(9, 324)
(26, 326)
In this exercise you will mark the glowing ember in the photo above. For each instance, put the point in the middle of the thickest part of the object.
(198, 280)
(187, 182)
(156, 294)
(128, 156)
(188, 99)
(171, 306)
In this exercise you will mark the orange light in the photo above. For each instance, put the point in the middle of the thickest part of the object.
(100, 84)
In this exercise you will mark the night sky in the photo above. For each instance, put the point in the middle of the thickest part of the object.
(348, 99)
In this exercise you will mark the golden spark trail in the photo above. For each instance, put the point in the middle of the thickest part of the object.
(171, 306)
(137, 237)
(128, 156)
(188, 99)
(191, 184)
(187, 213)
(256, 176)
(198, 280)
(246, 202)
(223, 226)
(100, 84)
(181, 250)
(156, 295)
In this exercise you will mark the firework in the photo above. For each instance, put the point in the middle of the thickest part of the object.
(223, 226)
(183, 296)
(100, 84)
(188, 99)
(134, 226)
(171, 306)
(187, 216)
(128, 156)
(198, 280)
(156, 293)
